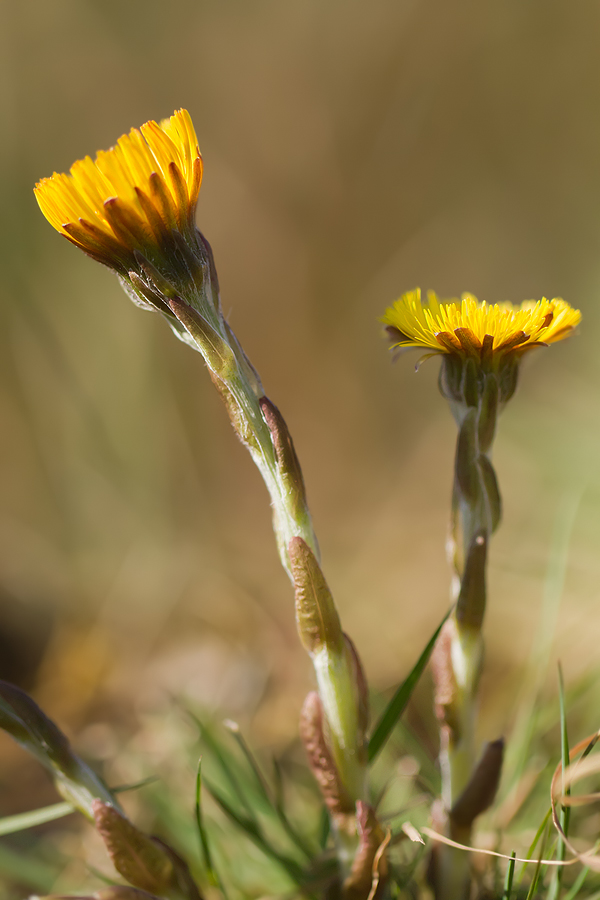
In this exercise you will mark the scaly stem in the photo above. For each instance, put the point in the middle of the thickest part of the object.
(262, 429)
(473, 393)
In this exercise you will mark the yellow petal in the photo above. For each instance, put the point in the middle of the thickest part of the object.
(159, 161)
(508, 328)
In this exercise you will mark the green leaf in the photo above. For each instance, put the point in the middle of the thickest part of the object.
(399, 701)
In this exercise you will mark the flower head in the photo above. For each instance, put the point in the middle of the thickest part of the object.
(134, 197)
(469, 328)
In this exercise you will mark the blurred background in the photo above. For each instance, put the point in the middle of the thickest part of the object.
(352, 151)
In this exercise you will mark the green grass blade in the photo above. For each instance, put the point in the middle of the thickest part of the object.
(577, 884)
(403, 878)
(534, 842)
(399, 701)
(291, 830)
(259, 778)
(538, 869)
(26, 869)
(536, 877)
(565, 813)
(510, 874)
(564, 748)
(211, 872)
(274, 800)
(248, 819)
(324, 828)
(518, 747)
(253, 831)
(23, 821)
(226, 767)
(590, 746)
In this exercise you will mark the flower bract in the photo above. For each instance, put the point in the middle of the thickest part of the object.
(468, 327)
(134, 196)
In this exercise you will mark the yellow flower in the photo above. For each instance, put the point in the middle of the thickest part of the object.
(131, 197)
(469, 328)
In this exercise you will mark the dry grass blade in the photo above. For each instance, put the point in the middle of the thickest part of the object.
(435, 836)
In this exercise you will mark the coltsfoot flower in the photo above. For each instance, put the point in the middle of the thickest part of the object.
(471, 328)
(137, 196)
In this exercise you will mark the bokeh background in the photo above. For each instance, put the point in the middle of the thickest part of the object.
(352, 151)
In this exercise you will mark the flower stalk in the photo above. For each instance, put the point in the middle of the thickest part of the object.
(474, 397)
(481, 347)
(133, 210)
(262, 429)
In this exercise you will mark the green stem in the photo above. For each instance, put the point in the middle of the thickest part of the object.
(290, 518)
(474, 397)
(467, 651)
(264, 432)
(256, 420)
(476, 514)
